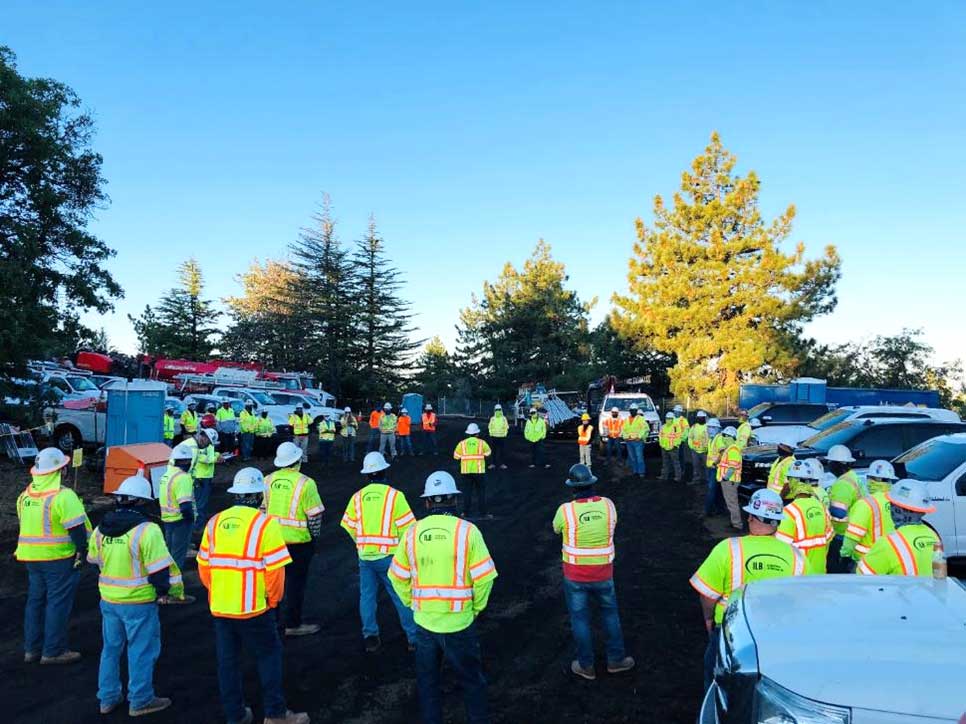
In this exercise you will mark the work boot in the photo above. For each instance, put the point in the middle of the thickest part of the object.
(305, 629)
(583, 673)
(372, 644)
(503, 467)
(108, 708)
(156, 704)
(290, 718)
(247, 719)
(625, 664)
(31, 657)
(68, 657)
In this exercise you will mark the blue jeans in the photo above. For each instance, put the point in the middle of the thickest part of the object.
(136, 626)
(635, 456)
(429, 442)
(578, 596)
(247, 445)
(613, 449)
(325, 451)
(713, 499)
(260, 636)
(202, 494)
(371, 574)
(536, 452)
(710, 656)
(373, 443)
(405, 444)
(51, 586)
(461, 651)
(176, 537)
(349, 448)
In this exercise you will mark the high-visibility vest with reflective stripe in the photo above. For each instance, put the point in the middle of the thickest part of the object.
(778, 473)
(717, 446)
(584, 433)
(806, 526)
(735, 562)
(264, 427)
(698, 438)
(189, 421)
(46, 511)
(472, 454)
(300, 424)
(730, 460)
(535, 429)
(683, 427)
(744, 434)
(168, 421)
(375, 518)
(204, 466)
(635, 428)
(429, 421)
(127, 560)
(614, 426)
(238, 546)
(670, 435)
(387, 423)
(349, 426)
(247, 422)
(499, 426)
(326, 430)
(869, 519)
(291, 498)
(176, 487)
(588, 532)
(224, 413)
(906, 552)
(842, 494)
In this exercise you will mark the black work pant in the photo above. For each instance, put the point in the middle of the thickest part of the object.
(498, 445)
(296, 578)
(469, 482)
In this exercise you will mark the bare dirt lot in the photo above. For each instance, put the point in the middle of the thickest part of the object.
(525, 633)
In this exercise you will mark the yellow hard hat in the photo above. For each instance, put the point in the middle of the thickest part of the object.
(585, 416)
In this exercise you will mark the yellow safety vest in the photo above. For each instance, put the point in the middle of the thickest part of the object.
(349, 426)
(870, 518)
(806, 526)
(905, 552)
(176, 487)
(535, 430)
(127, 560)
(204, 467)
(375, 518)
(730, 460)
(264, 427)
(223, 414)
(300, 424)
(587, 528)
(247, 422)
(46, 511)
(472, 454)
(387, 423)
(778, 473)
(189, 421)
(168, 426)
(669, 436)
(842, 494)
(698, 438)
(238, 546)
(635, 428)
(744, 434)
(715, 449)
(326, 430)
(291, 498)
(499, 426)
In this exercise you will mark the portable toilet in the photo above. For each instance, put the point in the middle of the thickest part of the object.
(148, 459)
(808, 389)
(134, 413)
(413, 402)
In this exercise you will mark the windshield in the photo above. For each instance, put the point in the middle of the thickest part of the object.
(262, 398)
(933, 460)
(759, 409)
(834, 417)
(839, 434)
(624, 403)
(289, 384)
(82, 384)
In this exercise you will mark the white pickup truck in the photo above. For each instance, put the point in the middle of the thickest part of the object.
(623, 401)
(841, 649)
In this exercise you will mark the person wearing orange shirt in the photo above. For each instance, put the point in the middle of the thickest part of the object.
(374, 417)
(404, 432)
(429, 431)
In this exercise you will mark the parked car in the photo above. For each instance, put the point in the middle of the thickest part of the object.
(787, 413)
(623, 401)
(78, 385)
(311, 405)
(103, 382)
(260, 399)
(898, 660)
(867, 439)
(794, 434)
(278, 417)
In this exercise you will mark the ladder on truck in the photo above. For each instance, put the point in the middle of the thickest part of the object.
(226, 377)
(18, 444)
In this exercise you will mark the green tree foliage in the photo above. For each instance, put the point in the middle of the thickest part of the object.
(435, 371)
(710, 284)
(52, 269)
(526, 327)
(182, 323)
(612, 355)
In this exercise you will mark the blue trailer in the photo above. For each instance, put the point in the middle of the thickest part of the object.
(816, 391)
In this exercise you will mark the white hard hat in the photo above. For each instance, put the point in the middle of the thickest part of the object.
(668, 415)
(883, 470)
(497, 406)
(288, 453)
(730, 432)
(839, 454)
(714, 422)
(911, 495)
(765, 504)
(212, 434)
(373, 462)
(805, 470)
(440, 483)
(533, 410)
(136, 486)
(755, 422)
(472, 429)
(387, 406)
(633, 406)
(182, 452)
(428, 407)
(678, 408)
(248, 481)
(615, 409)
(818, 471)
(348, 409)
(701, 413)
(49, 460)
(169, 407)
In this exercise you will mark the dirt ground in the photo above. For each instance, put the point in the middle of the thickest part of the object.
(525, 632)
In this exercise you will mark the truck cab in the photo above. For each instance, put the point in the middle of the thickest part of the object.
(623, 401)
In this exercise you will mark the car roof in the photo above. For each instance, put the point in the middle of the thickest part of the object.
(956, 438)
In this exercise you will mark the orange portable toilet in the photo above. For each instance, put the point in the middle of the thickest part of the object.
(123, 461)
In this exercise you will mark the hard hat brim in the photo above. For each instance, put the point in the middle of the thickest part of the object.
(283, 462)
(758, 514)
(378, 468)
(36, 471)
(457, 491)
(577, 484)
(906, 506)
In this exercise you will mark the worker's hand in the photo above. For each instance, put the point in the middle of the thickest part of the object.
(79, 560)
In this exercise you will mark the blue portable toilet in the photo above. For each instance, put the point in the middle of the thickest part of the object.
(134, 413)
(808, 389)
(413, 402)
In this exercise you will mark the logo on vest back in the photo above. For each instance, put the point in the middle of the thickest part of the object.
(591, 516)
(112, 540)
(923, 542)
(280, 485)
(766, 562)
(815, 513)
(433, 534)
(230, 524)
(369, 497)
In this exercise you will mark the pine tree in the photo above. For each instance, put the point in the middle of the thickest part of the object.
(436, 373)
(710, 284)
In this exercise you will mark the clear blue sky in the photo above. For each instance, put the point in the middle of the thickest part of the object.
(472, 129)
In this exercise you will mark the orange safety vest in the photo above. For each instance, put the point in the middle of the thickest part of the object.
(403, 425)
(584, 433)
(613, 425)
(429, 421)
(374, 417)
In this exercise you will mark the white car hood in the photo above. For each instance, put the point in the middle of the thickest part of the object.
(788, 434)
(881, 643)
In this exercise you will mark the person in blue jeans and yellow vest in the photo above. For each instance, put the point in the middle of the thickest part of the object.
(376, 518)
(168, 425)
(136, 574)
(53, 537)
(587, 525)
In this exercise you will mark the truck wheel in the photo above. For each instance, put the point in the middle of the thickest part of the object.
(67, 438)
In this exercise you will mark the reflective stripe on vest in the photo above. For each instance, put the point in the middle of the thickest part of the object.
(139, 573)
(571, 551)
(458, 593)
(247, 563)
(613, 426)
(904, 553)
(292, 521)
(168, 503)
(47, 538)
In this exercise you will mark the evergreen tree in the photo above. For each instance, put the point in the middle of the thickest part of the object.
(436, 373)
(710, 284)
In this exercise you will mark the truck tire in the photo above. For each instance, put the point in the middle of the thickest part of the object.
(67, 438)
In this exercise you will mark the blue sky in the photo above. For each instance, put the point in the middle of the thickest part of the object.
(471, 130)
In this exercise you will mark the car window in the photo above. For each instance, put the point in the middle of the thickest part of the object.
(82, 384)
(840, 434)
(230, 393)
(933, 460)
(59, 383)
(830, 418)
(624, 403)
(916, 434)
(758, 410)
(880, 441)
(262, 398)
(893, 415)
(961, 485)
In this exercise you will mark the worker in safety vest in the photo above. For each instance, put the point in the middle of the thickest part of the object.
(806, 524)
(137, 573)
(292, 500)
(376, 518)
(444, 572)
(870, 517)
(176, 497)
(247, 425)
(910, 549)
(684, 427)
(167, 423)
(744, 429)
(374, 417)
(846, 489)
(189, 421)
(348, 430)
(264, 432)
(729, 475)
(698, 441)
(326, 428)
(203, 472)
(634, 434)
(778, 472)
(585, 433)
(53, 539)
(499, 428)
(587, 526)
(387, 432)
(613, 426)
(300, 423)
(472, 453)
(404, 433)
(727, 567)
(669, 439)
(242, 564)
(535, 432)
(226, 424)
(714, 503)
(429, 431)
